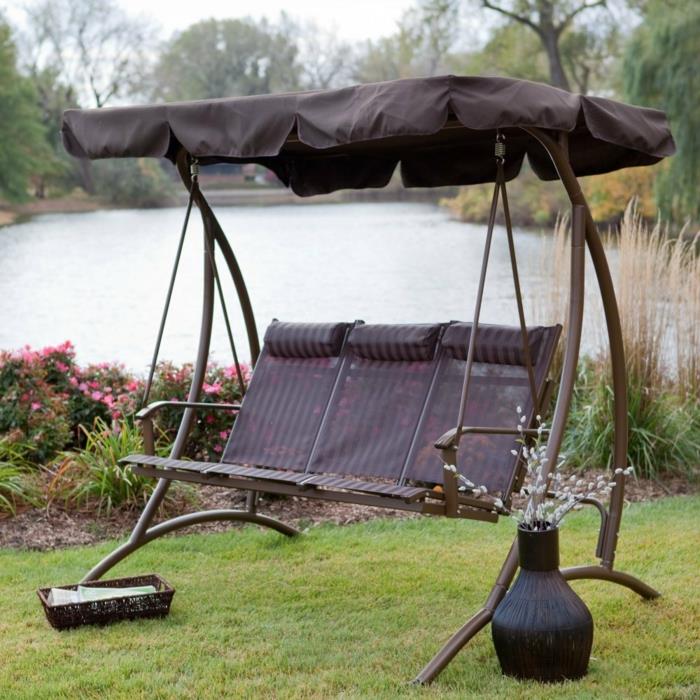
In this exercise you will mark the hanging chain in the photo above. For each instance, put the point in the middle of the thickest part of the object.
(194, 171)
(499, 152)
(500, 155)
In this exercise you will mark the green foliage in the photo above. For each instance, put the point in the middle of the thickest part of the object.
(222, 58)
(661, 70)
(31, 412)
(512, 51)
(133, 182)
(17, 485)
(664, 431)
(46, 396)
(23, 148)
(351, 612)
(93, 478)
(63, 172)
(532, 202)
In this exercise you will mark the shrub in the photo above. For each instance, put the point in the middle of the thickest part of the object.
(609, 193)
(17, 487)
(532, 202)
(92, 478)
(210, 433)
(133, 182)
(657, 281)
(46, 397)
(48, 400)
(32, 411)
(664, 431)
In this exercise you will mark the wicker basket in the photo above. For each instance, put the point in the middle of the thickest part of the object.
(102, 612)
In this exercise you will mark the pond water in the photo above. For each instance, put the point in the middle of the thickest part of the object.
(99, 278)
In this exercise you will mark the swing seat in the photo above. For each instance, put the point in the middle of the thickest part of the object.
(351, 412)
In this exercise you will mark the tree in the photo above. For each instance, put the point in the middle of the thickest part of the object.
(325, 60)
(220, 58)
(512, 51)
(660, 69)
(93, 46)
(53, 97)
(421, 45)
(23, 148)
(387, 58)
(548, 19)
(590, 55)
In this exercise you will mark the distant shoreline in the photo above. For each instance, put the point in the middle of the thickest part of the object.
(72, 204)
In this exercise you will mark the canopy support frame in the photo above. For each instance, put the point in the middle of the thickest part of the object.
(584, 232)
(144, 531)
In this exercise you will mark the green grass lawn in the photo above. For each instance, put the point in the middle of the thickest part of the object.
(352, 612)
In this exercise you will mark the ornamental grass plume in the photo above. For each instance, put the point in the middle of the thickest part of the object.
(657, 284)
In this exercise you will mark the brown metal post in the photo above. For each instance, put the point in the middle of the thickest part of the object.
(143, 531)
(146, 518)
(477, 308)
(236, 276)
(568, 378)
(474, 624)
(617, 353)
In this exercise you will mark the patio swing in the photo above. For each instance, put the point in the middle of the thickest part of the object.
(370, 413)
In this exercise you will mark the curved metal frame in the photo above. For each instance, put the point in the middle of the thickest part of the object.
(143, 532)
(584, 233)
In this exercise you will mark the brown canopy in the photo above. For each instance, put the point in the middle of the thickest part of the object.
(441, 129)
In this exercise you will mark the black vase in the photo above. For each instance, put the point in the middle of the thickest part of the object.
(542, 630)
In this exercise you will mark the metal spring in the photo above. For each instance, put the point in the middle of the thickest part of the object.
(500, 149)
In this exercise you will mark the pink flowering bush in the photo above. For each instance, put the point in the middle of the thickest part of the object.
(210, 433)
(33, 410)
(49, 402)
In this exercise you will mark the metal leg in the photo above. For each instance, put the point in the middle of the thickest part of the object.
(475, 623)
(177, 524)
(478, 621)
(602, 573)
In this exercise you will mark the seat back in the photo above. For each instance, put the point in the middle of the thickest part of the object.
(376, 405)
(499, 384)
(288, 393)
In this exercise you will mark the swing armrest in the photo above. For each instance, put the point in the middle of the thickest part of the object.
(145, 417)
(156, 406)
(447, 441)
(455, 497)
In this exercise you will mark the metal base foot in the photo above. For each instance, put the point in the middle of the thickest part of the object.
(178, 523)
(483, 617)
(455, 643)
(601, 573)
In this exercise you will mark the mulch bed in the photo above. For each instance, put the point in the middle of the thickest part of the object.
(45, 529)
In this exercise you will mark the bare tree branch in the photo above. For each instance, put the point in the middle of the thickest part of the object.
(577, 10)
(91, 44)
(512, 15)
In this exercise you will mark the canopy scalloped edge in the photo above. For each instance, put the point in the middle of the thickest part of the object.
(440, 129)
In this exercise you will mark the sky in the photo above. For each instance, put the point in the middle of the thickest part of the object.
(354, 20)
